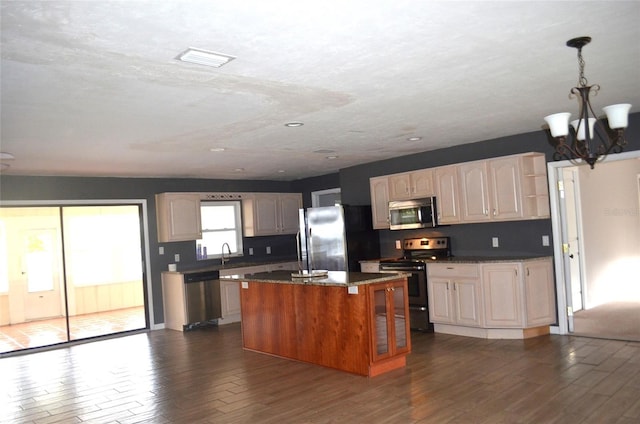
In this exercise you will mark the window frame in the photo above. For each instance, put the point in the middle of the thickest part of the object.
(238, 229)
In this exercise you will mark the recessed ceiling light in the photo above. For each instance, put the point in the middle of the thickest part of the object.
(217, 149)
(6, 156)
(293, 124)
(281, 171)
(332, 157)
(414, 138)
(239, 170)
(324, 151)
(204, 57)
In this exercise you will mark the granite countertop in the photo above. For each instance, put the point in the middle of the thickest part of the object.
(230, 265)
(333, 278)
(488, 259)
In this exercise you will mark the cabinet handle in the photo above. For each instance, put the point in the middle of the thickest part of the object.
(495, 212)
(527, 271)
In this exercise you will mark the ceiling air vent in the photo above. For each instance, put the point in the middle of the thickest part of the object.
(204, 57)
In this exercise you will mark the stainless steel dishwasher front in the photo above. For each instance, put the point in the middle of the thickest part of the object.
(202, 296)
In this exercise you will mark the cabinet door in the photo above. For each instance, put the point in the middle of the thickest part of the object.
(446, 179)
(266, 214)
(290, 204)
(539, 292)
(505, 185)
(379, 187)
(440, 300)
(390, 322)
(400, 186)
(178, 216)
(230, 298)
(422, 183)
(474, 190)
(502, 293)
(466, 299)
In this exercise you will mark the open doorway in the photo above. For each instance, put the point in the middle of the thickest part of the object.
(596, 221)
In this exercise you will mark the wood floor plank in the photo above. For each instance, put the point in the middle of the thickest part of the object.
(204, 376)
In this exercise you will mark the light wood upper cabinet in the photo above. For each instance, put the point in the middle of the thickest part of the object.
(474, 192)
(266, 214)
(505, 186)
(411, 185)
(178, 216)
(501, 189)
(379, 187)
(447, 194)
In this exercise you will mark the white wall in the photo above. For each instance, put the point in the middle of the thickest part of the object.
(611, 229)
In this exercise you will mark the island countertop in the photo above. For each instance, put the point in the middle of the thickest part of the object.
(333, 278)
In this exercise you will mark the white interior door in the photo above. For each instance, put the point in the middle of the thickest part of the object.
(41, 271)
(570, 179)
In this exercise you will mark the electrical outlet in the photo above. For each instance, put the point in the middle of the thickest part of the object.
(268, 250)
(545, 240)
(177, 257)
(161, 250)
(251, 251)
(495, 242)
(398, 244)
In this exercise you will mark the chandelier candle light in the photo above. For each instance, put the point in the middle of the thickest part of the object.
(591, 141)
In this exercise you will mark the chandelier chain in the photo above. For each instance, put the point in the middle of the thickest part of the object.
(582, 81)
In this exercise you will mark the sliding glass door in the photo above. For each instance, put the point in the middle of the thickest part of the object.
(71, 272)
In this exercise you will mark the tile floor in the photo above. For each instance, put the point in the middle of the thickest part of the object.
(53, 331)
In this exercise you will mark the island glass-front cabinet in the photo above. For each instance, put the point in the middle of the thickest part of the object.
(390, 320)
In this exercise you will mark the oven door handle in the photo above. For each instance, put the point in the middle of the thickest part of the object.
(402, 268)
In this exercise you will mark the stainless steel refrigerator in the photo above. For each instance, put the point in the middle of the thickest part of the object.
(336, 238)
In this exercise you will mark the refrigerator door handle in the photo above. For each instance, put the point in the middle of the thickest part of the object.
(310, 252)
(299, 252)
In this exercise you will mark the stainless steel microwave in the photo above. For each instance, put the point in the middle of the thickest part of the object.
(416, 213)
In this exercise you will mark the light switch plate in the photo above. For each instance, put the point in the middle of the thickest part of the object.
(251, 251)
(245, 284)
(545, 240)
(177, 257)
(268, 250)
(495, 242)
(161, 250)
(398, 244)
(352, 290)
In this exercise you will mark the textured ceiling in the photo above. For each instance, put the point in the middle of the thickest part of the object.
(93, 88)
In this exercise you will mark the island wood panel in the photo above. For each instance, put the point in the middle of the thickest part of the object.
(323, 325)
(268, 318)
(333, 327)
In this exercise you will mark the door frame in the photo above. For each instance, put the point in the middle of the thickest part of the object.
(561, 272)
(145, 233)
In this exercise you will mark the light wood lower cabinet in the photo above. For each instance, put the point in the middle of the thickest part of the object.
(454, 294)
(230, 290)
(512, 299)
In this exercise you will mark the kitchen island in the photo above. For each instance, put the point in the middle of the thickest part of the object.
(350, 321)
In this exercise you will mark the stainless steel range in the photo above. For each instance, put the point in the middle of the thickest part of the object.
(417, 252)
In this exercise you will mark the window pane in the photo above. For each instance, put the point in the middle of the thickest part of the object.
(218, 217)
(221, 223)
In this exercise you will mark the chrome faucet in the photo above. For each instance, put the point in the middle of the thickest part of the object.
(224, 260)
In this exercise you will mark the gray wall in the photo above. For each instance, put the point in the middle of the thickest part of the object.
(522, 237)
(25, 188)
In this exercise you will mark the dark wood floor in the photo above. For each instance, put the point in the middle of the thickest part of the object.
(204, 376)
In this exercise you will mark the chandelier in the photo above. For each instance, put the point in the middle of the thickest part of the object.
(591, 139)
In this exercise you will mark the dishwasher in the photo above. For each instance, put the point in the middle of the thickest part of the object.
(202, 297)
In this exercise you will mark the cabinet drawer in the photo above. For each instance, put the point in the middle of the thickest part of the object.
(453, 270)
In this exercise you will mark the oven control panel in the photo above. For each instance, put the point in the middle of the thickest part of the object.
(426, 243)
